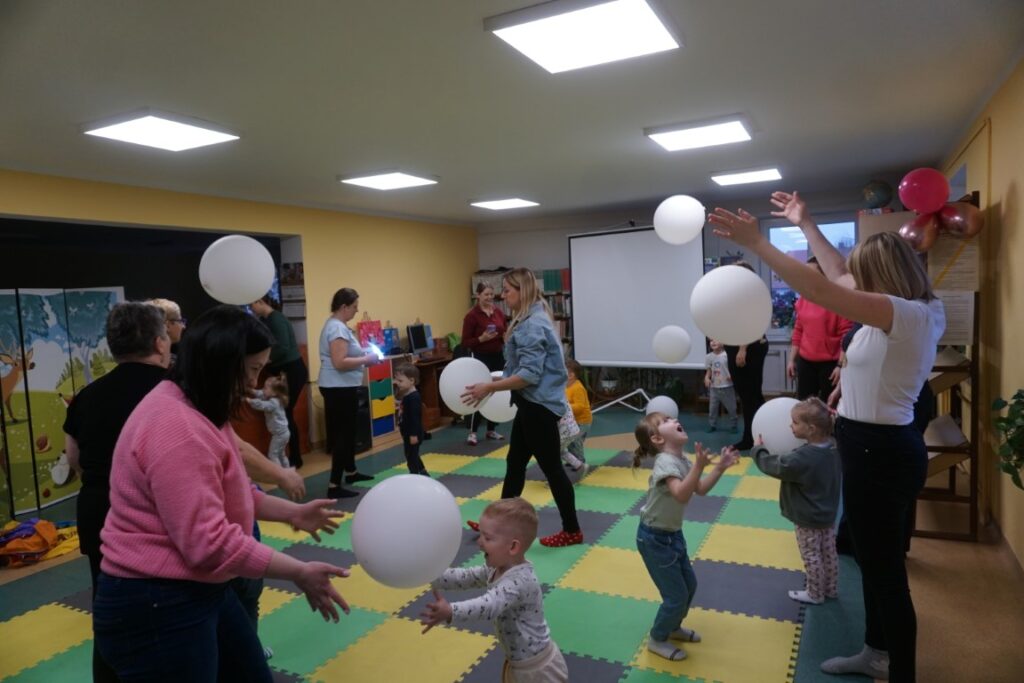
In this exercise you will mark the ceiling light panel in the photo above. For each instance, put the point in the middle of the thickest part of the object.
(693, 136)
(761, 176)
(503, 204)
(571, 34)
(163, 131)
(395, 180)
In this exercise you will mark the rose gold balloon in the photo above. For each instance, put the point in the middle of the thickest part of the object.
(921, 232)
(961, 219)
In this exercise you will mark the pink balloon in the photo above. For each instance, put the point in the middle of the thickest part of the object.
(924, 190)
(961, 219)
(921, 232)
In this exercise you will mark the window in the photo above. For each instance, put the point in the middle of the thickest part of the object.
(790, 240)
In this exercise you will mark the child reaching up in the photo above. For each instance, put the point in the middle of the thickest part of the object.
(513, 600)
(576, 395)
(674, 479)
(410, 416)
(272, 400)
(809, 496)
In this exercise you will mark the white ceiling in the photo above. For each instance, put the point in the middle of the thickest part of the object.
(838, 91)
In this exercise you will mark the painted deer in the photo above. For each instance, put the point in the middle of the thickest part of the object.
(9, 382)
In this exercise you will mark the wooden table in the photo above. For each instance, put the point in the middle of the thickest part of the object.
(433, 407)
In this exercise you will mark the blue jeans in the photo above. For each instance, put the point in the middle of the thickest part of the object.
(161, 630)
(668, 563)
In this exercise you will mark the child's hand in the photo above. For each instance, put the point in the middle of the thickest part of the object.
(414, 440)
(707, 382)
(729, 457)
(703, 458)
(439, 612)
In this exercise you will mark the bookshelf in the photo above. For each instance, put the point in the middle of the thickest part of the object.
(556, 286)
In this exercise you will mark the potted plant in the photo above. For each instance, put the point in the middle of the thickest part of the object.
(1011, 435)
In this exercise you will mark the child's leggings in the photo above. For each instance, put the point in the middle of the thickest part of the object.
(818, 550)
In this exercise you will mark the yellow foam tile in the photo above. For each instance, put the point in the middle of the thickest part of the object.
(460, 500)
(35, 636)
(273, 598)
(498, 453)
(397, 651)
(760, 488)
(619, 478)
(750, 546)
(617, 442)
(535, 492)
(283, 531)
(612, 571)
(739, 468)
(441, 462)
(361, 590)
(750, 649)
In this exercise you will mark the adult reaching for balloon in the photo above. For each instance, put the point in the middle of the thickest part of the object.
(883, 286)
(181, 514)
(536, 375)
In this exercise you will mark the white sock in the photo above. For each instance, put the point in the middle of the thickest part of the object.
(869, 662)
(665, 649)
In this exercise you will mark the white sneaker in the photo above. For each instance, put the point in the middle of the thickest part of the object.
(804, 597)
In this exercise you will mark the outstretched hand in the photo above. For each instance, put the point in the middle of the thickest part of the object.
(316, 516)
(791, 207)
(437, 612)
(315, 581)
(729, 457)
(702, 457)
(741, 227)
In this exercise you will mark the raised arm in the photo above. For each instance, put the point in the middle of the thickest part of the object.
(794, 209)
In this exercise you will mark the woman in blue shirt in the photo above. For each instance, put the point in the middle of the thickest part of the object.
(535, 373)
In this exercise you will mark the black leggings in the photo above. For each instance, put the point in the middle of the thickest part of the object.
(494, 361)
(884, 468)
(535, 434)
(748, 381)
(298, 376)
(814, 378)
(341, 415)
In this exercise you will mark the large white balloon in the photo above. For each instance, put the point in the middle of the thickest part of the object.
(664, 405)
(498, 407)
(455, 377)
(679, 219)
(407, 530)
(671, 344)
(731, 304)
(771, 423)
(236, 270)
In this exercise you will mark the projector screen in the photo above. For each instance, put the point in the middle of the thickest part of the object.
(626, 285)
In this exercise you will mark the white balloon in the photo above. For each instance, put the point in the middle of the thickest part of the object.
(731, 304)
(664, 405)
(455, 377)
(771, 423)
(679, 219)
(499, 407)
(236, 270)
(407, 531)
(671, 344)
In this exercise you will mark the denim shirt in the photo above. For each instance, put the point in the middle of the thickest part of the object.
(534, 353)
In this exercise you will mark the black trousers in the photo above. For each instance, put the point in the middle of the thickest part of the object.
(884, 468)
(494, 361)
(535, 434)
(748, 381)
(297, 375)
(341, 414)
(813, 378)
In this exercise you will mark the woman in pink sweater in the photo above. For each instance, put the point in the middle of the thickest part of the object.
(815, 346)
(181, 518)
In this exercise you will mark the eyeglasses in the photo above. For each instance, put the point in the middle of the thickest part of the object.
(180, 321)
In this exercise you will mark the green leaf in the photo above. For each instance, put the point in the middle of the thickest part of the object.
(1016, 480)
(1005, 451)
(999, 404)
(1007, 467)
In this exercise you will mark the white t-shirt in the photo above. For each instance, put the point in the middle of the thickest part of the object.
(884, 373)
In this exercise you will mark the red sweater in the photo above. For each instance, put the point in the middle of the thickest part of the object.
(181, 505)
(475, 324)
(818, 333)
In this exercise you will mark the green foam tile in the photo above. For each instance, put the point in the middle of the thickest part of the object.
(623, 534)
(763, 514)
(725, 486)
(67, 666)
(472, 509)
(341, 539)
(551, 564)
(694, 533)
(599, 626)
(598, 456)
(302, 641)
(646, 676)
(485, 467)
(276, 543)
(605, 499)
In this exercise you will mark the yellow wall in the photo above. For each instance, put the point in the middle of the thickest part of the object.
(993, 151)
(402, 269)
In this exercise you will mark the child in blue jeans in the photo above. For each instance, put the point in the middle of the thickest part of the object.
(674, 479)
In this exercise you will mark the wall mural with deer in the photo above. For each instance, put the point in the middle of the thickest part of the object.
(52, 343)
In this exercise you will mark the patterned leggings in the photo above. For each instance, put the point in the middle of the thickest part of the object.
(818, 550)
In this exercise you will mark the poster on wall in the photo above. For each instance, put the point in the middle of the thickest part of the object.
(293, 282)
(12, 393)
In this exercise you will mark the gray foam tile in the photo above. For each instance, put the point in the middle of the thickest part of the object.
(80, 600)
(466, 486)
(489, 669)
(416, 607)
(704, 508)
(308, 552)
(763, 593)
(593, 524)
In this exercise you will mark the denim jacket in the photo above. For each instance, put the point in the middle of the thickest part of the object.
(534, 353)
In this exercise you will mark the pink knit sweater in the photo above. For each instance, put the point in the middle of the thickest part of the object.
(181, 505)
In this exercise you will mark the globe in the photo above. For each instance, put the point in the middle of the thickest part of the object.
(877, 194)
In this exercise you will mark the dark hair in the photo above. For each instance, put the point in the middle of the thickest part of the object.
(210, 368)
(132, 330)
(271, 301)
(574, 367)
(482, 285)
(346, 296)
(409, 370)
(745, 264)
(279, 385)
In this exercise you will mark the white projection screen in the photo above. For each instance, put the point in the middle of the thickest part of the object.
(626, 285)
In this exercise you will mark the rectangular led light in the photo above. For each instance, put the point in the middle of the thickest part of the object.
(693, 136)
(761, 176)
(502, 204)
(571, 34)
(394, 180)
(161, 131)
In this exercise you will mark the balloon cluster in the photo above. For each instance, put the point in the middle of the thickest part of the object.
(926, 191)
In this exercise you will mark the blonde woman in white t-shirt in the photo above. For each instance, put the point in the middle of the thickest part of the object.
(884, 286)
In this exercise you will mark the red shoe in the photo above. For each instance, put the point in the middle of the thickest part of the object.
(562, 538)
(475, 526)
